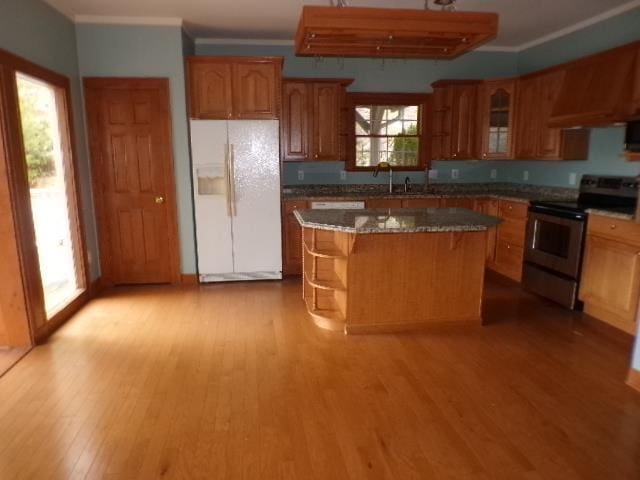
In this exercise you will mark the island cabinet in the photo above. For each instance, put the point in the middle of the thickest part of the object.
(509, 251)
(454, 121)
(311, 125)
(496, 107)
(635, 99)
(292, 238)
(610, 282)
(534, 139)
(596, 90)
(366, 274)
(234, 87)
(489, 206)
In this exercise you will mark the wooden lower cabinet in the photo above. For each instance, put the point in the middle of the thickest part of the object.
(292, 239)
(383, 203)
(457, 203)
(610, 282)
(505, 245)
(509, 253)
(489, 206)
(421, 203)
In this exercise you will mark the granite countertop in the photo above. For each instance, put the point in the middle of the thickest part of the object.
(397, 220)
(611, 214)
(506, 191)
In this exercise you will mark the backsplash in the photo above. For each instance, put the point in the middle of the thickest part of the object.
(605, 158)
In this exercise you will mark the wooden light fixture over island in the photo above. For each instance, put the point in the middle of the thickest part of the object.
(391, 32)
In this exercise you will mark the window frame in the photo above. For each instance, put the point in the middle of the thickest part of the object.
(423, 100)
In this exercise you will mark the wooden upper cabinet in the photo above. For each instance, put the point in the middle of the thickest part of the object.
(210, 89)
(256, 88)
(441, 124)
(526, 111)
(312, 119)
(455, 120)
(596, 90)
(294, 124)
(326, 121)
(234, 87)
(496, 104)
(635, 101)
(534, 139)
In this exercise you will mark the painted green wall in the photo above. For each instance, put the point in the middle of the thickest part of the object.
(121, 51)
(37, 32)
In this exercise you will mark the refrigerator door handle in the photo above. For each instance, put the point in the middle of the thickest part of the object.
(232, 180)
(227, 174)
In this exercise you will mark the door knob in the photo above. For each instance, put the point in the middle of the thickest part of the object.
(159, 200)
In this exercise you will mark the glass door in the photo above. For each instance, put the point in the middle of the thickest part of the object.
(46, 137)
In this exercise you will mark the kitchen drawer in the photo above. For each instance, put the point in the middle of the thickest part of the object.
(421, 203)
(383, 203)
(626, 231)
(508, 260)
(512, 231)
(457, 203)
(516, 210)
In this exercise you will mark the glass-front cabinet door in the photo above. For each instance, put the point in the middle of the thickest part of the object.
(497, 119)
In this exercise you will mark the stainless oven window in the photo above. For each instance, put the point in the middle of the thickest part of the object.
(552, 238)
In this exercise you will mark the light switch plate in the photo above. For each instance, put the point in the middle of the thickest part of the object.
(455, 173)
(525, 175)
(494, 173)
(300, 175)
(433, 174)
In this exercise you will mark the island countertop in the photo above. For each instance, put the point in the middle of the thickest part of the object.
(397, 220)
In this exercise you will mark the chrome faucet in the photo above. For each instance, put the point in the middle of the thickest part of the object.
(407, 184)
(387, 166)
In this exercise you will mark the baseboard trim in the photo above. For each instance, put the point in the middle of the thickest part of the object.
(633, 380)
(189, 279)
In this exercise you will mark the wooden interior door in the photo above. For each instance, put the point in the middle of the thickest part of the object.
(130, 141)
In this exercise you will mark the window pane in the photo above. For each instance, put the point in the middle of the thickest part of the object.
(51, 206)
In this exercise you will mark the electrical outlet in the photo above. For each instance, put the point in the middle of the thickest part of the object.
(494, 173)
(455, 173)
(433, 174)
(300, 175)
(573, 178)
(525, 175)
(343, 175)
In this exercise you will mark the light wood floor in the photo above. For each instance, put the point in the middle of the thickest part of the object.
(9, 357)
(233, 381)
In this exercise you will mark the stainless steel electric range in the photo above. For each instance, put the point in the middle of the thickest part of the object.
(556, 232)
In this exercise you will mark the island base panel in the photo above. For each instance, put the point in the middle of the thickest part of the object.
(371, 283)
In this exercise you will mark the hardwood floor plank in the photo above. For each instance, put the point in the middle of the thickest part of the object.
(233, 381)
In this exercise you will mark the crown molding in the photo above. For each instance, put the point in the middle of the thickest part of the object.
(140, 21)
(580, 25)
(244, 41)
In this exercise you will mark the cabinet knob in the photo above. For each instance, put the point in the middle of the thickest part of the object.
(484, 155)
(454, 155)
(159, 200)
(315, 156)
(613, 226)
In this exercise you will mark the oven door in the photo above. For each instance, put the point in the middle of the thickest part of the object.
(555, 242)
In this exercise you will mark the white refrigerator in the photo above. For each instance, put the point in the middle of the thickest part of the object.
(236, 186)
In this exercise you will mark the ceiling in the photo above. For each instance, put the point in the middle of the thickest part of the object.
(522, 22)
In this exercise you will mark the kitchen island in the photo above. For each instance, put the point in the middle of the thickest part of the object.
(388, 270)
